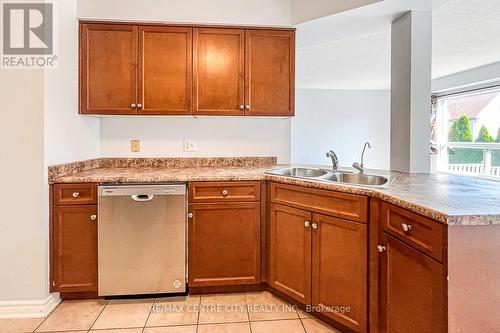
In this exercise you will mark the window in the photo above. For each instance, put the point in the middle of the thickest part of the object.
(468, 133)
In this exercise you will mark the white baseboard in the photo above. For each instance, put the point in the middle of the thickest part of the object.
(29, 309)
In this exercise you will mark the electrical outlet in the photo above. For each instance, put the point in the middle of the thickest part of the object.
(135, 146)
(189, 145)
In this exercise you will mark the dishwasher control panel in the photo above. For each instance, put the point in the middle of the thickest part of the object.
(128, 190)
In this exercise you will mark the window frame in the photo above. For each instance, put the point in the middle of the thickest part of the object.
(441, 162)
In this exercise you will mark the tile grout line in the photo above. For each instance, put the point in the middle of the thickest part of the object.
(302, 323)
(149, 314)
(214, 323)
(198, 317)
(100, 313)
(248, 314)
(300, 319)
(275, 319)
(50, 314)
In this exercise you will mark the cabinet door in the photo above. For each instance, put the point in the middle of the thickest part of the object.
(224, 244)
(74, 249)
(218, 71)
(411, 290)
(165, 70)
(339, 270)
(290, 252)
(270, 73)
(108, 69)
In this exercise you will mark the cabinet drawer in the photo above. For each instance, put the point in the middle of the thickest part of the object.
(420, 232)
(75, 194)
(346, 206)
(224, 191)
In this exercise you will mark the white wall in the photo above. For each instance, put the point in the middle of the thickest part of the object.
(68, 136)
(262, 12)
(360, 62)
(216, 136)
(22, 237)
(343, 97)
(341, 120)
(44, 128)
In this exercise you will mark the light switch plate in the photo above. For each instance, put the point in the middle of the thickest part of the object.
(135, 146)
(189, 145)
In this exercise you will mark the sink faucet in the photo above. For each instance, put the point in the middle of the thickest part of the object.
(358, 166)
(335, 159)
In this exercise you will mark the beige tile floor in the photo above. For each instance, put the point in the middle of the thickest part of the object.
(229, 313)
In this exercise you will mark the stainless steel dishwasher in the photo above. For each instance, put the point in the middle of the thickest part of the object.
(142, 239)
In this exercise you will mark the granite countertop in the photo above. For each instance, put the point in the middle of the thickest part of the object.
(454, 200)
(164, 174)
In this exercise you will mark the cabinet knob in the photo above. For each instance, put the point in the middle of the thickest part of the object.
(133, 105)
(93, 217)
(225, 192)
(139, 105)
(381, 248)
(190, 215)
(76, 194)
(406, 227)
(242, 107)
(315, 225)
(306, 224)
(247, 107)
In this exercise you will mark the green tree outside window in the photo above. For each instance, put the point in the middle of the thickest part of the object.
(461, 132)
(484, 135)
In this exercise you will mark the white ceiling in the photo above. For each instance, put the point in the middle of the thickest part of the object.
(302, 11)
(351, 50)
(466, 35)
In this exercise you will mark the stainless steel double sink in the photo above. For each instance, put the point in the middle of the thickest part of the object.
(334, 176)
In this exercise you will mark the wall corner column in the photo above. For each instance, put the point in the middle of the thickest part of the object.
(411, 62)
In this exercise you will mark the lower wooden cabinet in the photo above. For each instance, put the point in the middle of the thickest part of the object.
(224, 244)
(339, 270)
(314, 258)
(74, 249)
(290, 252)
(321, 261)
(412, 289)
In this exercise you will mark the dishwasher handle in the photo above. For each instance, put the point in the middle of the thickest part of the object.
(142, 197)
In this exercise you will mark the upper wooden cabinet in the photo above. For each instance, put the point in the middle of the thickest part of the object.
(270, 73)
(165, 71)
(108, 68)
(219, 71)
(128, 69)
